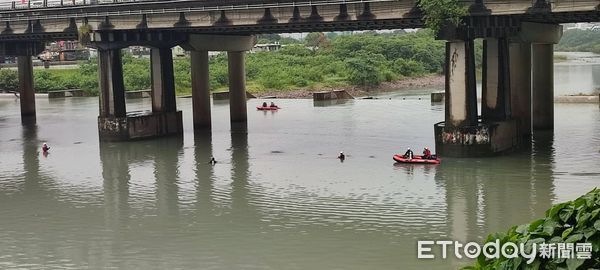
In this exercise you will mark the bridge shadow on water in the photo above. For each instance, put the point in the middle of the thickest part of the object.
(488, 195)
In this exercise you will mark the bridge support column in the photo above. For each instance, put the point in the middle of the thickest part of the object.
(495, 100)
(200, 90)
(462, 135)
(543, 86)
(26, 90)
(520, 86)
(112, 88)
(461, 94)
(163, 83)
(237, 87)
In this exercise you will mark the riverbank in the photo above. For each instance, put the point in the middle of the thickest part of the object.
(356, 91)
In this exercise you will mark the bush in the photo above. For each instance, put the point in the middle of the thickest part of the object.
(9, 80)
(575, 221)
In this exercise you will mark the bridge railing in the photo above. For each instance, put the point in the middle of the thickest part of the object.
(41, 4)
(32, 4)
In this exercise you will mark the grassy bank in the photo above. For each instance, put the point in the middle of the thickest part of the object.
(347, 61)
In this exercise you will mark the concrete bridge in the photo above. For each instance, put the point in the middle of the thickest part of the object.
(517, 67)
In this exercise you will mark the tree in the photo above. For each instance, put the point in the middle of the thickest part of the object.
(317, 40)
(8, 80)
(440, 13)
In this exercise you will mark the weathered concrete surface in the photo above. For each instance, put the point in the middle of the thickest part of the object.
(542, 86)
(200, 89)
(520, 85)
(329, 95)
(540, 33)
(461, 95)
(496, 80)
(66, 93)
(342, 94)
(482, 140)
(323, 95)
(140, 125)
(219, 43)
(163, 81)
(438, 96)
(26, 90)
(237, 87)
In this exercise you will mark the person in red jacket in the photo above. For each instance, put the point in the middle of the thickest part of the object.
(426, 153)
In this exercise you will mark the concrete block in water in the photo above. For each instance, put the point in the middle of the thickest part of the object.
(66, 93)
(437, 96)
(140, 125)
(138, 94)
(225, 95)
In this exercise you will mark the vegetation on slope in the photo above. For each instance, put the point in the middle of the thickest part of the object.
(576, 40)
(574, 222)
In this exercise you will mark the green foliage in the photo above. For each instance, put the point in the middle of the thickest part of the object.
(580, 41)
(438, 13)
(363, 59)
(9, 80)
(317, 40)
(366, 70)
(575, 221)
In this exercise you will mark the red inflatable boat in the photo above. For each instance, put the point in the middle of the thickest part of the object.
(416, 159)
(261, 108)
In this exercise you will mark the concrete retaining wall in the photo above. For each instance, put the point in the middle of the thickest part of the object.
(225, 95)
(577, 99)
(67, 93)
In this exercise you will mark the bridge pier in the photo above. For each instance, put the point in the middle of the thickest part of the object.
(495, 100)
(200, 90)
(462, 134)
(520, 86)
(26, 89)
(235, 46)
(167, 119)
(517, 76)
(237, 87)
(114, 123)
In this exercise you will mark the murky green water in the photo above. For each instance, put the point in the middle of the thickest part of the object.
(277, 198)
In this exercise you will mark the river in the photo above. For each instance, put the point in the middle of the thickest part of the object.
(277, 198)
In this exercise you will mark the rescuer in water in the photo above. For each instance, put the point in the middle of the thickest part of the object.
(341, 156)
(45, 149)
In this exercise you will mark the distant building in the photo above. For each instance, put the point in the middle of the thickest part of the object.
(267, 47)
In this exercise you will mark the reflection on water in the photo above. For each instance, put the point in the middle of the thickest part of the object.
(277, 198)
